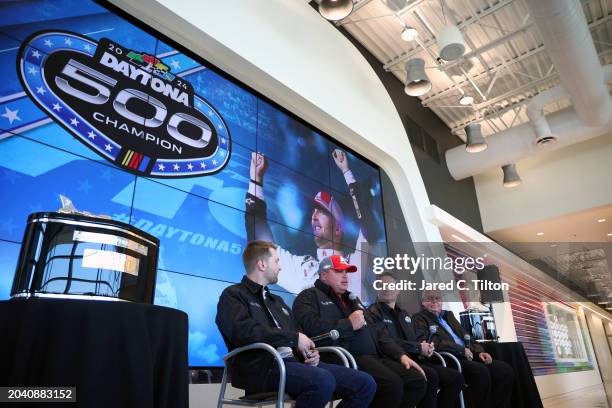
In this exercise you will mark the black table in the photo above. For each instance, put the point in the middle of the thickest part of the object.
(116, 354)
(525, 392)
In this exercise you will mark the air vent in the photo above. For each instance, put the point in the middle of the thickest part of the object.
(546, 140)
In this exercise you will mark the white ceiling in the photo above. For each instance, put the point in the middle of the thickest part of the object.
(506, 62)
(575, 248)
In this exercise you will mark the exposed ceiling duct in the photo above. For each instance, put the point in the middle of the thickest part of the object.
(517, 143)
(568, 41)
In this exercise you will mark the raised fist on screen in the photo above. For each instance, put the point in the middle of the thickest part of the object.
(341, 160)
(259, 165)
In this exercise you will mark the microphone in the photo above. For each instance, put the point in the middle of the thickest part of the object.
(433, 329)
(333, 334)
(357, 304)
(468, 340)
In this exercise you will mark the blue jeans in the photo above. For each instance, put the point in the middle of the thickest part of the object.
(314, 387)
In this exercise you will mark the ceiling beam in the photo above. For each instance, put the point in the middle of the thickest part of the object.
(415, 50)
(477, 117)
(506, 64)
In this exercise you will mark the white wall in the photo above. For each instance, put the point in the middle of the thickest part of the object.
(556, 384)
(286, 51)
(600, 345)
(565, 181)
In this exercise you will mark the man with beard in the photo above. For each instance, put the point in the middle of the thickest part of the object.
(401, 383)
(327, 221)
(248, 313)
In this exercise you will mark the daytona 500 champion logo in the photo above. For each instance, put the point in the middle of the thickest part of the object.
(125, 105)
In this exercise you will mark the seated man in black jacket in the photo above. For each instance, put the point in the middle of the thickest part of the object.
(489, 381)
(400, 327)
(248, 313)
(328, 306)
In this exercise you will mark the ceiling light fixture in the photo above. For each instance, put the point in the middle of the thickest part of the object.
(335, 10)
(601, 220)
(451, 45)
(396, 5)
(466, 100)
(539, 234)
(475, 142)
(511, 176)
(610, 234)
(409, 34)
(417, 83)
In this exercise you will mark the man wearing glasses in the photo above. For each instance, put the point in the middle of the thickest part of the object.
(489, 381)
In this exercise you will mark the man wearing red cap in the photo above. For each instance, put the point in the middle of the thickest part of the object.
(327, 222)
(327, 306)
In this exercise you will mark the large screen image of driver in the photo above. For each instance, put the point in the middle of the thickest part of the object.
(125, 123)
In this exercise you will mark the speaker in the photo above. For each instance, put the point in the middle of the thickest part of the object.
(490, 273)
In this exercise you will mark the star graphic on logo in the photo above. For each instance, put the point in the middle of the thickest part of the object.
(108, 147)
(222, 153)
(36, 54)
(85, 186)
(48, 43)
(32, 71)
(190, 166)
(57, 107)
(209, 113)
(91, 135)
(214, 162)
(40, 90)
(87, 47)
(11, 115)
(198, 104)
(175, 64)
(203, 165)
(176, 167)
(220, 126)
(74, 122)
(222, 140)
(161, 167)
(249, 201)
(68, 42)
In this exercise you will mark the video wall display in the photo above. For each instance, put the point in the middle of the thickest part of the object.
(125, 123)
(554, 334)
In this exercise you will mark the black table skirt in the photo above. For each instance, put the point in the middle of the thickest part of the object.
(116, 354)
(525, 393)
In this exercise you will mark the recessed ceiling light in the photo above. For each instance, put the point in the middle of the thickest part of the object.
(409, 34)
(603, 302)
(466, 100)
(601, 220)
(539, 234)
(553, 245)
(610, 234)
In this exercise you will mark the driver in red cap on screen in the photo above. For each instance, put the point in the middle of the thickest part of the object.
(327, 220)
(330, 306)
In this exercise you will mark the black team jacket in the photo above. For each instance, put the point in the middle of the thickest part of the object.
(243, 318)
(319, 310)
(399, 326)
(442, 340)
